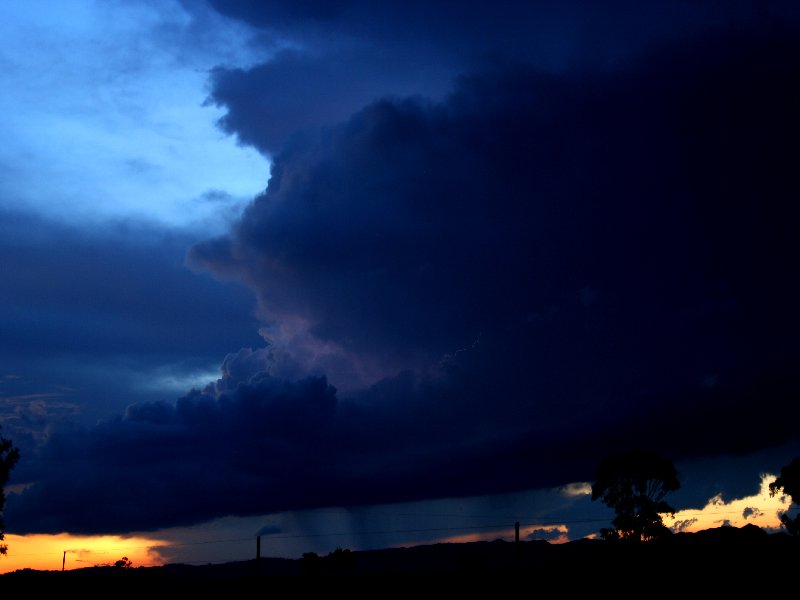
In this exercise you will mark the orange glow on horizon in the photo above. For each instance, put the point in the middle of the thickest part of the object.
(45, 552)
(560, 533)
(759, 509)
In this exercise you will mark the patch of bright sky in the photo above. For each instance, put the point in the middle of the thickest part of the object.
(103, 114)
(760, 509)
(178, 379)
(46, 552)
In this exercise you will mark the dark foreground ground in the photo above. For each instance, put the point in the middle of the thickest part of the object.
(723, 559)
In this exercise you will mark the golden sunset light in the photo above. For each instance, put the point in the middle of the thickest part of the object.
(46, 552)
(555, 534)
(759, 509)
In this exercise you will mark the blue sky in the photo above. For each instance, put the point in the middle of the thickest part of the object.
(393, 260)
(104, 114)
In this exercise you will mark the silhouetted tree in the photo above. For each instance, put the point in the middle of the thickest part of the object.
(310, 563)
(342, 560)
(9, 455)
(123, 563)
(634, 485)
(789, 483)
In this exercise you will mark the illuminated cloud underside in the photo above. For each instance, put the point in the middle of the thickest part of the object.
(759, 509)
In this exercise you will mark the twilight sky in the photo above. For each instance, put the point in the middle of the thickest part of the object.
(269, 258)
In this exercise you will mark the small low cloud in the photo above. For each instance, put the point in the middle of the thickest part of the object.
(683, 525)
(269, 529)
(31, 415)
(579, 488)
(17, 488)
(142, 166)
(217, 196)
(751, 511)
(550, 533)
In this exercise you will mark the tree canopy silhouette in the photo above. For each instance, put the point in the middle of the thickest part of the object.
(634, 485)
(9, 455)
(789, 483)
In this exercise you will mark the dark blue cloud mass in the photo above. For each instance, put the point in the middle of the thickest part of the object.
(332, 58)
(535, 271)
(92, 321)
(116, 291)
(619, 242)
(635, 222)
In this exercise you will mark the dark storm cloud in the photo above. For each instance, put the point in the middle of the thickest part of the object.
(167, 464)
(252, 443)
(114, 292)
(295, 91)
(87, 316)
(537, 271)
(507, 26)
(613, 240)
(633, 228)
(339, 56)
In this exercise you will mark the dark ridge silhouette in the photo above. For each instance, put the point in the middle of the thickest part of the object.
(721, 558)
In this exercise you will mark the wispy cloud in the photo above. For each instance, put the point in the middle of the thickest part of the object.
(36, 406)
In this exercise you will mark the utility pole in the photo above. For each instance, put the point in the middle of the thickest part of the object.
(63, 561)
(258, 555)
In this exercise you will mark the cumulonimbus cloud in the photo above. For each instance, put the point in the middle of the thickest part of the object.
(598, 244)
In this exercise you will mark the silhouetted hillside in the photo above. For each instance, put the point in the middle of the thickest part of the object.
(725, 557)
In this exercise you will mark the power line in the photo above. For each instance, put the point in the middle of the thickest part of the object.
(387, 531)
(534, 522)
